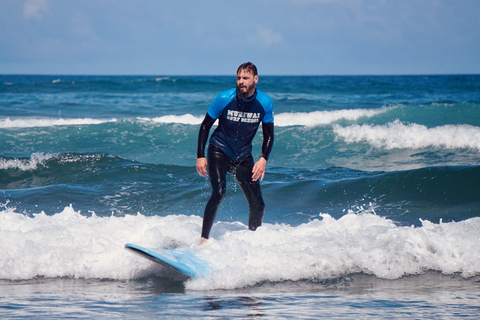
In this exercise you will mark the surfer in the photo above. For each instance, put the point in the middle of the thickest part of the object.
(239, 112)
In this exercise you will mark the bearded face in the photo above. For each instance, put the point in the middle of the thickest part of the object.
(246, 83)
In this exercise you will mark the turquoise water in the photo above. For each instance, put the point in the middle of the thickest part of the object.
(372, 194)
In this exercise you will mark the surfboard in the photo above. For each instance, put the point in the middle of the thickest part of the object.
(182, 260)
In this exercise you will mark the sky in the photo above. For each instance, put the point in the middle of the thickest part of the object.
(213, 37)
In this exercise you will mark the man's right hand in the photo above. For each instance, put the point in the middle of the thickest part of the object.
(202, 166)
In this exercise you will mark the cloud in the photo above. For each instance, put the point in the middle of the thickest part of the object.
(266, 37)
(34, 9)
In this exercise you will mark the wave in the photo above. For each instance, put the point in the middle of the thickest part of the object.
(36, 159)
(63, 170)
(48, 122)
(396, 134)
(316, 118)
(98, 182)
(69, 244)
(106, 183)
(180, 119)
(405, 197)
(40, 161)
(308, 119)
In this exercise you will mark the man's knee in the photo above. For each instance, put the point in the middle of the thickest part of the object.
(218, 195)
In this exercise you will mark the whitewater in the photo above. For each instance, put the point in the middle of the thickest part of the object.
(69, 244)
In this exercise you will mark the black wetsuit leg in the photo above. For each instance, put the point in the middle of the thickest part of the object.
(218, 166)
(252, 191)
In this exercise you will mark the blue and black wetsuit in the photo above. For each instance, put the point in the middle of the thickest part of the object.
(230, 150)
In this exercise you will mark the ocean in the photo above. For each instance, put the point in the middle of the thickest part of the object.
(372, 196)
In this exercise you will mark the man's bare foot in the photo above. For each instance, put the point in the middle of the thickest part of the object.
(202, 241)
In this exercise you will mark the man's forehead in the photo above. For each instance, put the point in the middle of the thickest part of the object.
(244, 73)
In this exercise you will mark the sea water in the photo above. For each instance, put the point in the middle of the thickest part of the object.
(372, 193)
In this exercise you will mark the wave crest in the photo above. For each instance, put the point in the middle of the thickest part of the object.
(35, 160)
(396, 134)
(48, 122)
(317, 118)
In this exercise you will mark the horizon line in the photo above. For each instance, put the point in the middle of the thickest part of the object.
(228, 75)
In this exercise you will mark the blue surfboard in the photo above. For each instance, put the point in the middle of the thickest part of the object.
(183, 260)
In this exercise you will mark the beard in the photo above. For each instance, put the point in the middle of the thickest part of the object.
(244, 94)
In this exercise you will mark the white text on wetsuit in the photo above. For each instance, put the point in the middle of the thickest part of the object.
(247, 117)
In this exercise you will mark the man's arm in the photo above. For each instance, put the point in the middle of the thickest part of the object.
(259, 167)
(201, 164)
(267, 139)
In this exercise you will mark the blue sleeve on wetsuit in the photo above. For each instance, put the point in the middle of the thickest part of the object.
(267, 105)
(220, 102)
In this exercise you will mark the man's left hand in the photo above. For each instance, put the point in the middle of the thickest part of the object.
(259, 169)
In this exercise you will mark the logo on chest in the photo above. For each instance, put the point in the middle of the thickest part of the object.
(246, 117)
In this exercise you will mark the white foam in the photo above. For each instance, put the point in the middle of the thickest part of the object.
(330, 248)
(165, 79)
(308, 119)
(412, 136)
(317, 118)
(69, 244)
(181, 119)
(36, 159)
(48, 122)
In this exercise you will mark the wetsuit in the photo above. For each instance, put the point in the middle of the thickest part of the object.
(230, 150)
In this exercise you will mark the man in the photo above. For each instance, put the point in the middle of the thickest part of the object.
(239, 111)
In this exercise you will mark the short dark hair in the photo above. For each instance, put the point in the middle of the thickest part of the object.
(248, 67)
